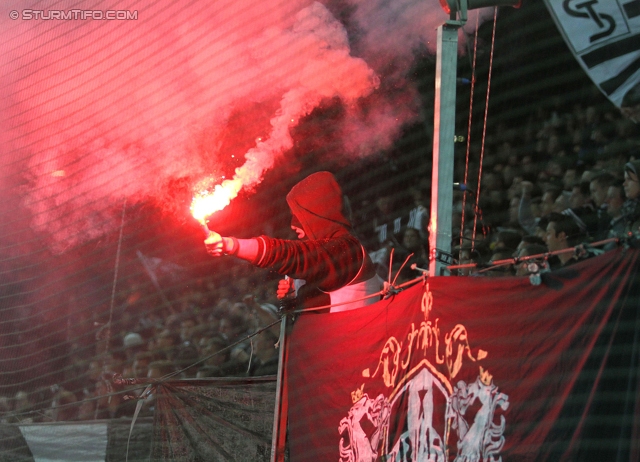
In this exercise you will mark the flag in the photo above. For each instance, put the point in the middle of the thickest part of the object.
(604, 37)
(475, 369)
(92, 441)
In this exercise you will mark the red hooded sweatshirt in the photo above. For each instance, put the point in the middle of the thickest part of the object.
(331, 257)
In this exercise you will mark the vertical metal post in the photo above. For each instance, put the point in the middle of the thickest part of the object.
(443, 139)
(279, 435)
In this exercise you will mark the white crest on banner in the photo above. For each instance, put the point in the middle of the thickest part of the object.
(483, 440)
(414, 421)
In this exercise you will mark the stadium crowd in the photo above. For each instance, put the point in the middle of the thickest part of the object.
(565, 180)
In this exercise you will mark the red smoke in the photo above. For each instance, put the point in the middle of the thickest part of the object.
(102, 111)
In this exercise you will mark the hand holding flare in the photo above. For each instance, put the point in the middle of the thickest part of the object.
(214, 244)
(217, 245)
(208, 201)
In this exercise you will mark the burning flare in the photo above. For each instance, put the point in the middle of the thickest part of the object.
(207, 200)
(329, 71)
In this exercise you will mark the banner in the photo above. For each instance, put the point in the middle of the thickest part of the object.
(604, 36)
(475, 369)
(94, 441)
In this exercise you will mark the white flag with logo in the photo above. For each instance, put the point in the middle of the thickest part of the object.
(604, 36)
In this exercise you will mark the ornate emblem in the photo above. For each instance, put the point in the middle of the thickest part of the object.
(422, 414)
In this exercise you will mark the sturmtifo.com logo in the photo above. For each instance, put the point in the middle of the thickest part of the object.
(74, 15)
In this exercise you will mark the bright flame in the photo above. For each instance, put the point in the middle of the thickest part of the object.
(315, 29)
(206, 201)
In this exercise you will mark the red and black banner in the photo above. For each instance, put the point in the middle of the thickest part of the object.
(475, 369)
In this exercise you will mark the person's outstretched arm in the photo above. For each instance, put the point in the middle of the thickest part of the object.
(216, 245)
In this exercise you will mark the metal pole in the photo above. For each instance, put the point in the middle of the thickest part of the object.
(443, 138)
(279, 434)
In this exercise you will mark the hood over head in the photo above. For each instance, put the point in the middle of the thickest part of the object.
(316, 202)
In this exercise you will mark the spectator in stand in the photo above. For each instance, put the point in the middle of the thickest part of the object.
(233, 325)
(209, 371)
(527, 216)
(582, 209)
(507, 240)
(589, 135)
(187, 324)
(106, 404)
(167, 344)
(412, 244)
(265, 361)
(160, 369)
(563, 233)
(87, 407)
(549, 200)
(615, 202)
(571, 177)
(22, 408)
(242, 310)
(186, 359)
(502, 269)
(630, 106)
(552, 174)
(493, 200)
(599, 188)
(419, 215)
(631, 207)
(262, 314)
(141, 363)
(213, 351)
(133, 344)
(467, 255)
(62, 406)
(528, 250)
(95, 371)
(530, 239)
(236, 326)
(127, 369)
(580, 195)
(514, 211)
(562, 202)
(199, 331)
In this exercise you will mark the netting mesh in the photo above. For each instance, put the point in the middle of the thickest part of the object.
(109, 123)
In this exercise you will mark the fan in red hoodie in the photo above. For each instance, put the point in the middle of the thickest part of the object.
(329, 258)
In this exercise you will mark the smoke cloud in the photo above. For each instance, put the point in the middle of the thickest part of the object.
(102, 111)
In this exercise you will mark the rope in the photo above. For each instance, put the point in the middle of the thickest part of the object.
(115, 278)
(484, 129)
(113, 289)
(545, 256)
(466, 165)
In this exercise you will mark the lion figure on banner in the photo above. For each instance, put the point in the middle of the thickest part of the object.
(362, 447)
(483, 440)
(420, 440)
